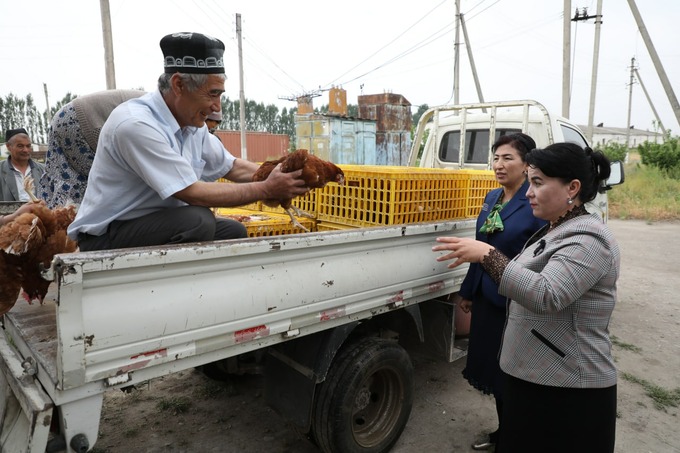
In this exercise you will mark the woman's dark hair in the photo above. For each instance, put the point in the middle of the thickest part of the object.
(568, 161)
(521, 142)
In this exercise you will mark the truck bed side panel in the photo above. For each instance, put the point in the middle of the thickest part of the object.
(124, 312)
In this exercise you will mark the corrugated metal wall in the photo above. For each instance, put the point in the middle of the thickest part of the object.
(392, 113)
(338, 139)
(260, 146)
(380, 136)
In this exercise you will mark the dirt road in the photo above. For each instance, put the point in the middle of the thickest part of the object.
(186, 412)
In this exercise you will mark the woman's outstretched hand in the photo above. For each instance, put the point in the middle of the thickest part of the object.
(463, 250)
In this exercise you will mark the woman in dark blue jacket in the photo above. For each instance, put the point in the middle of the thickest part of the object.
(505, 222)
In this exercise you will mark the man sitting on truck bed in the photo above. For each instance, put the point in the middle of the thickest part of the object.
(152, 181)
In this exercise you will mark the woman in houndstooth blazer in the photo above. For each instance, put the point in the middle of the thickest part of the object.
(560, 389)
(505, 222)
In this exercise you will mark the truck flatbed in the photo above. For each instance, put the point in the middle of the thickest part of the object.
(116, 318)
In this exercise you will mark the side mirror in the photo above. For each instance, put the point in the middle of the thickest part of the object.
(616, 176)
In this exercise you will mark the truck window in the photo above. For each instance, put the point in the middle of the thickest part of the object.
(477, 147)
(476, 143)
(573, 136)
(448, 149)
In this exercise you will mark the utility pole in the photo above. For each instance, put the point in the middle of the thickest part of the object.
(593, 80)
(630, 101)
(242, 96)
(651, 104)
(456, 60)
(566, 59)
(596, 56)
(472, 60)
(460, 23)
(108, 44)
(47, 101)
(655, 59)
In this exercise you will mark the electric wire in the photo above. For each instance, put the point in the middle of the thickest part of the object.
(386, 45)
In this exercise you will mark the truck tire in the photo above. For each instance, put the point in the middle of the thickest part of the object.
(366, 399)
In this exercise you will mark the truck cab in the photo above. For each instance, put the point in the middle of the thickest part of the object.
(461, 136)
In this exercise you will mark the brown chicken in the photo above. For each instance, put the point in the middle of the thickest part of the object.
(27, 246)
(315, 172)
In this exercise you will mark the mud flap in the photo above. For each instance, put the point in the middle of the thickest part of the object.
(438, 317)
(25, 408)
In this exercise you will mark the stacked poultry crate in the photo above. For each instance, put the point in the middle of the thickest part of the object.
(377, 196)
(265, 223)
(480, 183)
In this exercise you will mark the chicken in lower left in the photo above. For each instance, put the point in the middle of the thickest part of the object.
(27, 246)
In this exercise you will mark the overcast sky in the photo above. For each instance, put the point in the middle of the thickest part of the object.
(364, 46)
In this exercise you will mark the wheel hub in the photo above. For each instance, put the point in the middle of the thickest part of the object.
(362, 399)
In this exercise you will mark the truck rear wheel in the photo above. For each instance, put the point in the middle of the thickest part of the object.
(366, 399)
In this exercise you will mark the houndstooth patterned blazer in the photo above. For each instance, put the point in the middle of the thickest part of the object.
(562, 290)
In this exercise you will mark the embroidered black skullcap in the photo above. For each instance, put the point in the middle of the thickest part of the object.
(12, 132)
(193, 53)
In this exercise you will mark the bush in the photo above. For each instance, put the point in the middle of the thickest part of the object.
(614, 151)
(665, 156)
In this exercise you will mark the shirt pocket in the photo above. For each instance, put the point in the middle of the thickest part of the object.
(548, 343)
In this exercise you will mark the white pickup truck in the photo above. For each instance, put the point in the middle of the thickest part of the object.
(331, 312)
(328, 307)
(444, 131)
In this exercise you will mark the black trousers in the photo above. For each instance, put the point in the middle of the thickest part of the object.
(167, 226)
(540, 418)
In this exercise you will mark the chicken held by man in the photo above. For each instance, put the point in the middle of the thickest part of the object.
(316, 173)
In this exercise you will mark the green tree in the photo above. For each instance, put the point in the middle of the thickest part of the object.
(352, 110)
(416, 116)
(17, 112)
(614, 151)
(665, 156)
(259, 117)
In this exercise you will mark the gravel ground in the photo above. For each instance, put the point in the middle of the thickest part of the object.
(187, 412)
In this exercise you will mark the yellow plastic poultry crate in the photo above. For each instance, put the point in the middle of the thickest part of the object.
(255, 206)
(480, 183)
(390, 195)
(306, 203)
(330, 226)
(260, 224)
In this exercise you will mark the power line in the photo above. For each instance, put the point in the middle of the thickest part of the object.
(415, 47)
(249, 41)
(478, 4)
(386, 45)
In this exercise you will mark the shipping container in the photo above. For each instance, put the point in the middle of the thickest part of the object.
(392, 114)
(340, 140)
(260, 146)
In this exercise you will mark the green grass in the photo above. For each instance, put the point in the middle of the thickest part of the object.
(210, 390)
(175, 405)
(131, 432)
(662, 398)
(647, 194)
(627, 346)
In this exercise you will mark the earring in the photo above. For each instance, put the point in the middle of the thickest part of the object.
(570, 201)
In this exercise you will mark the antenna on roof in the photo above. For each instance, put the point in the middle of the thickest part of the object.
(304, 100)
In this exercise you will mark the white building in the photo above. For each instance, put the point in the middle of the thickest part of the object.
(604, 135)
